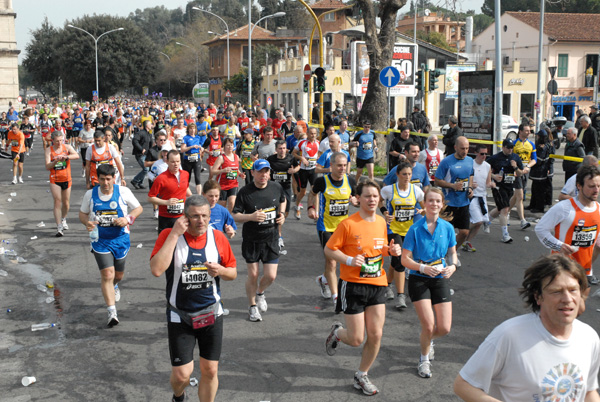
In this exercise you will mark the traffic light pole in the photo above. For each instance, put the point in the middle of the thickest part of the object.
(426, 89)
(318, 25)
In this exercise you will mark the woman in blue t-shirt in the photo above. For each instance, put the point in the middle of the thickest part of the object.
(366, 147)
(425, 247)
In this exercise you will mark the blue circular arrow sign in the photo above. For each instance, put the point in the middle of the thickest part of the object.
(389, 77)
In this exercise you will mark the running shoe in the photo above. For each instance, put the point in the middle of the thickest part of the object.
(112, 318)
(486, 227)
(14, 181)
(261, 302)
(401, 303)
(389, 292)
(59, 231)
(298, 215)
(325, 291)
(468, 247)
(281, 243)
(117, 293)
(300, 206)
(254, 314)
(525, 225)
(20, 180)
(364, 384)
(507, 239)
(424, 369)
(181, 398)
(83, 174)
(64, 224)
(431, 352)
(332, 340)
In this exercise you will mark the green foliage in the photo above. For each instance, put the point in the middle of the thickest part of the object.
(296, 16)
(435, 38)
(510, 5)
(481, 22)
(159, 23)
(41, 62)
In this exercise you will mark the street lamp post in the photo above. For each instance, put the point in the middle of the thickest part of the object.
(197, 56)
(96, 46)
(169, 58)
(250, 29)
(226, 29)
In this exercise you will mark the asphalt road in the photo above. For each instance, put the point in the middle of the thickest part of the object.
(280, 359)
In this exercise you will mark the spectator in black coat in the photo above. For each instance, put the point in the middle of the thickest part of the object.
(451, 135)
(574, 148)
(588, 136)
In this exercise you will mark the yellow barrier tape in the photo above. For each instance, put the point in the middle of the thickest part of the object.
(471, 140)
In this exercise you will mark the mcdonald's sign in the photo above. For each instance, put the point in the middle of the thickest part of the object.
(338, 81)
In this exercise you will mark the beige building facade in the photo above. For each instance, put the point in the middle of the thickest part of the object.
(9, 64)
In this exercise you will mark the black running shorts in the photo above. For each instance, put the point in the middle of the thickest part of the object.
(436, 289)
(182, 340)
(355, 297)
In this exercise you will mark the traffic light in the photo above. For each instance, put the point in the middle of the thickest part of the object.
(245, 84)
(306, 85)
(315, 84)
(433, 79)
(320, 73)
(419, 81)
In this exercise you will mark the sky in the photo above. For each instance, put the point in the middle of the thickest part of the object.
(31, 13)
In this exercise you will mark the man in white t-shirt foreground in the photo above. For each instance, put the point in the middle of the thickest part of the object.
(546, 355)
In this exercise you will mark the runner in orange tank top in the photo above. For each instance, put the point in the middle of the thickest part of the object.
(571, 226)
(58, 161)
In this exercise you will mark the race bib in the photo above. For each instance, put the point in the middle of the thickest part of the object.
(246, 154)
(216, 153)
(60, 165)
(509, 178)
(433, 168)
(404, 213)
(178, 142)
(280, 176)
(102, 162)
(106, 218)
(195, 276)
(367, 146)
(14, 143)
(345, 146)
(270, 214)
(371, 268)
(464, 182)
(193, 157)
(312, 163)
(175, 209)
(584, 236)
(339, 207)
(232, 175)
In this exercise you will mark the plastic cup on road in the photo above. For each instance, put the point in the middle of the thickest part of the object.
(27, 381)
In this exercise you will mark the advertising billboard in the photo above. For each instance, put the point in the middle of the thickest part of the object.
(200, 92)
(404, 59)
(451, 77)
(476, 104)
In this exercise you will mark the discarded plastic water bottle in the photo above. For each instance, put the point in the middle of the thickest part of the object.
(3, 272)
(194, 382)
(42, 288)
(49, 299)
(21, 260)
(42, 326)
(13, 194)
(10, 253)
(94, 236)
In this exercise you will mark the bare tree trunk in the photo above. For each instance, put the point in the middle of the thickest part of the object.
(380, 49)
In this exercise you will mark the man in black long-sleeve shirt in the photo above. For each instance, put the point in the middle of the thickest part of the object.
(142, 141)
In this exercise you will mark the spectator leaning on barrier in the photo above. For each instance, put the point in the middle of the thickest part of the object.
(573, 148)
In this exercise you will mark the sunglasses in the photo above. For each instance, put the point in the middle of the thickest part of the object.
(483, 153)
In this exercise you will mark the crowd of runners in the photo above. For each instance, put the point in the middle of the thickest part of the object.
(253, 170)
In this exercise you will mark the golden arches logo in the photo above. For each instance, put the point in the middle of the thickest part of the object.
(338, 81)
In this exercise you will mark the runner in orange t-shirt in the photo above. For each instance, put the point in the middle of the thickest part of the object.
(58, 161)
(359, 244)
(16, 141)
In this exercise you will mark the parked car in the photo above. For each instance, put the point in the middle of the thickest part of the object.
(510, 127)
